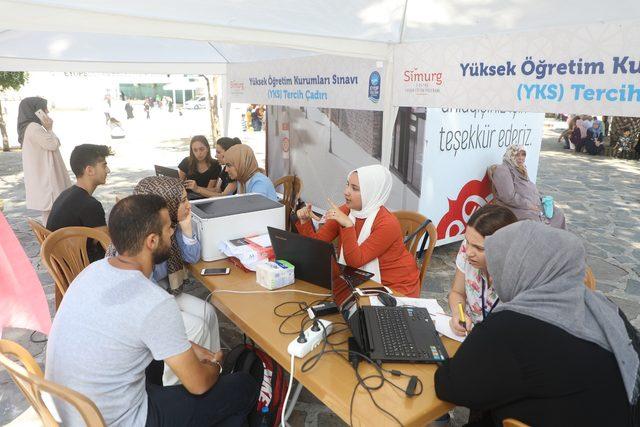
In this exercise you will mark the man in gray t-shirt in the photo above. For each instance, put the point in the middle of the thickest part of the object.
(113, 321)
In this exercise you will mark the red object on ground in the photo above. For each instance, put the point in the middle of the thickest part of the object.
(22, 300)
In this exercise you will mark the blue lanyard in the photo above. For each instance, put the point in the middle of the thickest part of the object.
(484, 312)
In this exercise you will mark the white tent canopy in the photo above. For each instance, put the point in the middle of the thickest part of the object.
(202, 36)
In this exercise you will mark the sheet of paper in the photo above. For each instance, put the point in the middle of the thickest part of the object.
(262, 240)
(441, 321)
(430, 304)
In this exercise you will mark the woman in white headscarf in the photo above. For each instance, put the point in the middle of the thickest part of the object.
(370, 237)
(553, 352)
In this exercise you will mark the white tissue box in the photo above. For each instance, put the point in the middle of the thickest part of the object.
(275, 275)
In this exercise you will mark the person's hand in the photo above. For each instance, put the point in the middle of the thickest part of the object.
(190, 184)
(337, 215)
(47, 123)
(184, 219)
(206, 355)
(184, 212)
(457, 328)
(306, 213)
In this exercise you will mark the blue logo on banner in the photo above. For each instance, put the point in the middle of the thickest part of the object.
(374, 87)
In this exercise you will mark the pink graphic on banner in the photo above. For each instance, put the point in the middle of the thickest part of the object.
(22, 300)
(473, 195)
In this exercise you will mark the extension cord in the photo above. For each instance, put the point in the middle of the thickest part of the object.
(301, 349)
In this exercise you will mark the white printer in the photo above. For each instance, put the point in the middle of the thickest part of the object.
(232, 217)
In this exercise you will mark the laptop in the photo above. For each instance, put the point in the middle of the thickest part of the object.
(173, 173)
(313, 259)
(165, 171)
(389, 334)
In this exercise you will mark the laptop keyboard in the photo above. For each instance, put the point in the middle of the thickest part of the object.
(394, 328)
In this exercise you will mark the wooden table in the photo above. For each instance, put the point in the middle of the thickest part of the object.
(332, 380)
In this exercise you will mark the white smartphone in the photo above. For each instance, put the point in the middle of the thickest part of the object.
(367, 292)
(40, 114)
(214, 271)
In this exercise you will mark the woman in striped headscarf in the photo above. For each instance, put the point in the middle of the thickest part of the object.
(200, 320)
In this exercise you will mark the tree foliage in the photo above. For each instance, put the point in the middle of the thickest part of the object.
(12, 80)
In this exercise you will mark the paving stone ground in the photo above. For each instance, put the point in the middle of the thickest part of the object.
(600, 197)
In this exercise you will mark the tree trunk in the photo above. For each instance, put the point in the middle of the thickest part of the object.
(213, 108)
(3, 131)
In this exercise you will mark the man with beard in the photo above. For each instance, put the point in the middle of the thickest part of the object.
(113, 321)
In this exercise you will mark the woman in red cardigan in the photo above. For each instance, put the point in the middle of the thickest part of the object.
(370, 237)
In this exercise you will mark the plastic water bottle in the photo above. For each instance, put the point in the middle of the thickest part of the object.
(547, 204)
(264, 419)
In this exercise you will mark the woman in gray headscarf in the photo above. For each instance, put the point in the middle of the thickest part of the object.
(514, 190)
(553, 352)
(45, 175)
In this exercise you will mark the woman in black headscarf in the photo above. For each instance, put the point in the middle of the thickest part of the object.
(45, 175)
(553, 352)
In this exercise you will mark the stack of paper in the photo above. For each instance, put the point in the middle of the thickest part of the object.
(250, 251)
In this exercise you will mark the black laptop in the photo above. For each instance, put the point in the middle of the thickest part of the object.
(389, 334)
(313, 259)
(173, 173)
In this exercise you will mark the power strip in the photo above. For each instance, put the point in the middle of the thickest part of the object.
(314, 338)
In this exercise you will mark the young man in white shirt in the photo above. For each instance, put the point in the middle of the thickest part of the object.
(113, 321)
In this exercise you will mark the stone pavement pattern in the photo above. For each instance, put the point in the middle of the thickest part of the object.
(600, 197)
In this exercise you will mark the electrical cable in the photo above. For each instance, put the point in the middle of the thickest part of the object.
(362, 382)
(283, 422)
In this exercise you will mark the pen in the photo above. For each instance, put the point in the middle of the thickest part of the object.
(462, 320)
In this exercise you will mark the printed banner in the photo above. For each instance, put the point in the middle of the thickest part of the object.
(591, 69)
(460, 146)
(319, 81)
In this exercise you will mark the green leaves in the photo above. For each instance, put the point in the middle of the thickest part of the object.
(12, 79)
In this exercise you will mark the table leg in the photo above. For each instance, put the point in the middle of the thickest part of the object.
(293, 401)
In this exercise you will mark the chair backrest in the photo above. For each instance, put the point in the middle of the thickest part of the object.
(30, 380)
(38, 229)
(510, 422)
(413, 223)
(589, 279)
(64, 252)
(292, 187)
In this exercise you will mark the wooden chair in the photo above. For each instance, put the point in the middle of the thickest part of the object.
(38, 229)
(510, 422)
(589, 279)
(414, 226)
(64, 253)
(30, 380)
(292, 187)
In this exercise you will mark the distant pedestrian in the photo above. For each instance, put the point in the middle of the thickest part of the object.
(147, 109)
(129, 109)
(106, 106)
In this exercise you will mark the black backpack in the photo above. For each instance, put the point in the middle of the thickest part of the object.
(271, 377)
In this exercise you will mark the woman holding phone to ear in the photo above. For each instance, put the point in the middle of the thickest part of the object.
(370, 237)
(45, 175)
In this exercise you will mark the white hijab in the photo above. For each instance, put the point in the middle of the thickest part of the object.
(375, 189)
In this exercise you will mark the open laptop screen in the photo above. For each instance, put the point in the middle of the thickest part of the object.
(342, 291)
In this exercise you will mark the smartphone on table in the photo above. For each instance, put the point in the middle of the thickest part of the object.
(368, 292)
(214, 271)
